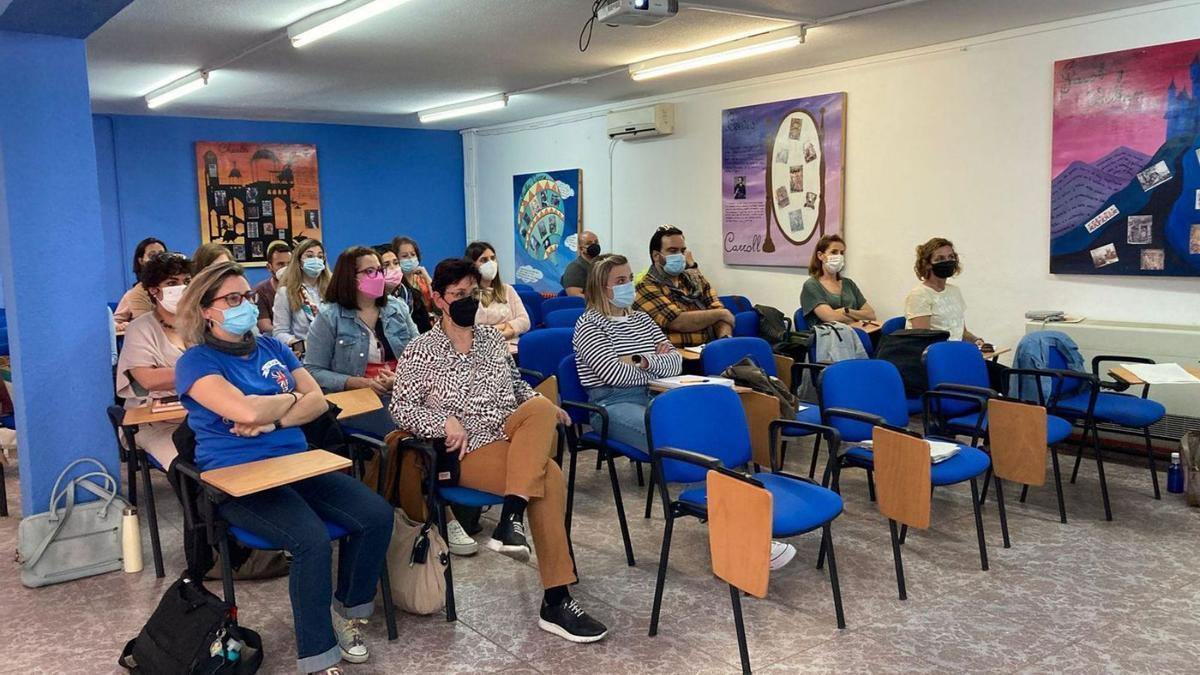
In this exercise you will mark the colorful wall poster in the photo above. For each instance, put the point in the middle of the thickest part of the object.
(547, 218)
(1125, 193)
(782, 179)
(254, 193)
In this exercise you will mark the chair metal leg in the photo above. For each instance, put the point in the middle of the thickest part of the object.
(812, 467)
(151, 514)
(389, 607)
(3, 494)
(616, 490)
(650, 492)
(1062, 507)
(1003, 515)
(1100, 471)
(898, 560)
(1024, 493)
(903, 534)
(987, 478)
(736, 597)
(1079, 452)
(451, 611)
(983, 560)
(641, 479)
(663, 557)
(223, 535)
(574, 450)
(871, 484)
(130, 465)
(1150, 461)
(827, 547)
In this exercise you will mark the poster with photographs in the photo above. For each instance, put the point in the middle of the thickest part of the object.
(547, 217)
(1125, 193)
(782, 179)
(240, 183)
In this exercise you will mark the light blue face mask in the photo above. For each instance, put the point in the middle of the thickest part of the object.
(623, 295)
(674, 264)
(313, 266)
(239, 320)
(409, 265)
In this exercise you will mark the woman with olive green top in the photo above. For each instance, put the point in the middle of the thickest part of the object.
(827, 296)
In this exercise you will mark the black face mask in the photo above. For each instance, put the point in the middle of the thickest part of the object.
(945, 269)
(592, 250)
(462, 311)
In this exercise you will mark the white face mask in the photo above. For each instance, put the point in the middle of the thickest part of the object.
(279, 273)
(171, 296)
(835, 263)
(488, 270)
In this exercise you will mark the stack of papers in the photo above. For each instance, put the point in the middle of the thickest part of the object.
(939, 451)
(688, 380)
(1161, 373)
(695, 350)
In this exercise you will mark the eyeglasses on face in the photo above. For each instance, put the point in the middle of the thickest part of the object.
(235, 299)
(370, 272)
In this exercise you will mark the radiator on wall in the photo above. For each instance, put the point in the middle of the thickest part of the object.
(1165, 343)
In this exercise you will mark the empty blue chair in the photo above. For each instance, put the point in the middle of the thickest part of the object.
(562, 302)
(892, 325)
(523, 287)
(541, 350)
(563, 318)
(533, 305)
(683, 452)
(736, 303)
(745, 324)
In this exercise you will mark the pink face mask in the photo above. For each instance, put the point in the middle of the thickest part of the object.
(392, 277)
(372, 287)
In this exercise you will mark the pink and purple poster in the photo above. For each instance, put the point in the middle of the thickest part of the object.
(782, 178)
(1125, 193)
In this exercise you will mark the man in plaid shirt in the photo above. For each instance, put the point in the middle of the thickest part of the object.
(677, 296)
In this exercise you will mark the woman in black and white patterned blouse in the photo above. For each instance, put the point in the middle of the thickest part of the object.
(618, 351)
(459, 381)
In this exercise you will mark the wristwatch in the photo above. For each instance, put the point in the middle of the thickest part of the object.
(277, 426)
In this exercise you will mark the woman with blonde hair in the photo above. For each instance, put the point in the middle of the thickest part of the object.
(207, 254)
(246, 398)
(300, 294)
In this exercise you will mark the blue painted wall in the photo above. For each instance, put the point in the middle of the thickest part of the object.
(376, 183)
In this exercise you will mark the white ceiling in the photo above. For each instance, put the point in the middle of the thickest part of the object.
(429, 53)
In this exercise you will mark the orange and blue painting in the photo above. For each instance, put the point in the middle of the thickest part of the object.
(547, 214)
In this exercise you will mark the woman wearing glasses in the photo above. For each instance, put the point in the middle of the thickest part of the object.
(934, 303)
(246, 398)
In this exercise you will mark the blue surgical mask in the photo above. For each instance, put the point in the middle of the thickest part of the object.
(623, 295)
(239, 320)
(674, 264)
(409, 265)
(313, 266)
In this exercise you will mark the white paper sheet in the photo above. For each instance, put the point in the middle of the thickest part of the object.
(1161, 373)
(689, 380)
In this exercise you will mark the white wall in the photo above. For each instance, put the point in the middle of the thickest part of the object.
(951, 141)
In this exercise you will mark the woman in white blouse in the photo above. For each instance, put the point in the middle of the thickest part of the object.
(499, 304)
(935, 303)
(300, 294)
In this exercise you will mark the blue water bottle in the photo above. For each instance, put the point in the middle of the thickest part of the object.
(1175, 475)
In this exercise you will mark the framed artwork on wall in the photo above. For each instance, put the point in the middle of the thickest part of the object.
(253, 193)
(1125, 192)
(548, 215)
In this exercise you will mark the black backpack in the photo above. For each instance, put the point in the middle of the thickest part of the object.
(747, 373)
(904, 349)
(194, 632)
(772, 324)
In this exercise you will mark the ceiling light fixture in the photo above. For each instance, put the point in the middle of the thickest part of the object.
(735, 50)
(327, 22)
(181, 87)
(461, 109)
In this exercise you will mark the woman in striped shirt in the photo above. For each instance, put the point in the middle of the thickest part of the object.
(619, 351)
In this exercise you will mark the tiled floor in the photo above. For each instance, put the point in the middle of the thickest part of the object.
(1088, 596)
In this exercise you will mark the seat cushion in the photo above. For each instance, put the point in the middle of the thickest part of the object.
(592, 439)
(798, 506)
(1057, 428)
(969, 462)
(465, 496)
(810, 414)
(1124, 409)
(252, 540)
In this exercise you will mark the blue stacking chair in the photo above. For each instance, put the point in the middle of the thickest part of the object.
(562, 302)
(541, 350)
(857, 396)
(563, 318)
(683, 452)
(745, 324)
(574, 400)
(736, 303)
(892, 325)
(523, 287)
(798, 320)
(533, 305)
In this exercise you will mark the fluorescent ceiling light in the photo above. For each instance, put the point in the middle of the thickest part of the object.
(460, 109)
(327, 22)
(181, 87)
(722, 53)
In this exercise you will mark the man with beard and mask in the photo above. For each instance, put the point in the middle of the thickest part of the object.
(459, 382)
(934, 303)
(574, 279)
(677, 296)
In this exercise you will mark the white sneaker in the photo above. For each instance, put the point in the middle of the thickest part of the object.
(349, 637)
(781, 554)
(460, 543)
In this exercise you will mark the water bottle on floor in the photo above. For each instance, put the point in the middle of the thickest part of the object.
(1175, 475)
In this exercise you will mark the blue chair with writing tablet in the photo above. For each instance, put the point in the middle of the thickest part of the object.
(562, 302)
(892, 325)
(533, 305)
(563, 318)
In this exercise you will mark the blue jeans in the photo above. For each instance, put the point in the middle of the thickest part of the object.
(626, 408)
(294, 516)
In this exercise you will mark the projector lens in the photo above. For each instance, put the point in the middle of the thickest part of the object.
(641, 4)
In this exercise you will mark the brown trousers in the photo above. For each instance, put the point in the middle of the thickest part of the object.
(525, 466)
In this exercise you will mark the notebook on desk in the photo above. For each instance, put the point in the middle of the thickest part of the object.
(939, 451)
(689, 380)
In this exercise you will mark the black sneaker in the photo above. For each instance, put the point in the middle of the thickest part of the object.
(568, 621)
(509, 539)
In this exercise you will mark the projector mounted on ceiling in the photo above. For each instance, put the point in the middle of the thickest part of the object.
(636, 12)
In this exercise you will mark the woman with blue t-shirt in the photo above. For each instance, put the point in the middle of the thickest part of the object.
(246, 398)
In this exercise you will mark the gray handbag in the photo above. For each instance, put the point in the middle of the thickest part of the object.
(80, 540)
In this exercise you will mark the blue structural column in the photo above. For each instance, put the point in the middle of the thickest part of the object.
(50, 260)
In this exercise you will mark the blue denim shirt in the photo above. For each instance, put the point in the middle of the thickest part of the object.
(338, 341)
(1033, 351)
